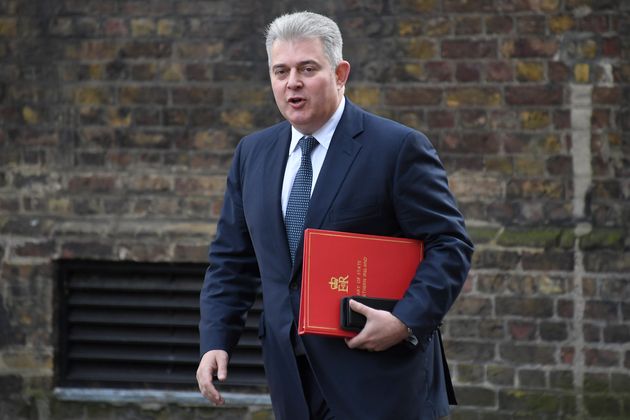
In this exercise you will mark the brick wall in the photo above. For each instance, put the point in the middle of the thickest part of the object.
(119, 118)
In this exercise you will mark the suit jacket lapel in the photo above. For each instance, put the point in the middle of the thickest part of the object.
(339, 158)
(275, 166)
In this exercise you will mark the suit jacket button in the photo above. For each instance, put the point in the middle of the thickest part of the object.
(293, 285)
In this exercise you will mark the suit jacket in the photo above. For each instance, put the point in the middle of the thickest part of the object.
(379, 177)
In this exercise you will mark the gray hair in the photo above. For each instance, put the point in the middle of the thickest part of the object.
(307, 25)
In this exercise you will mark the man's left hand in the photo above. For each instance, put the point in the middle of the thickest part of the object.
(382, 329)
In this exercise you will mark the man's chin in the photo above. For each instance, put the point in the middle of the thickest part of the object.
(301, 124)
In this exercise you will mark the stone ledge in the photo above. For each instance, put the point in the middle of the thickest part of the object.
(121, 396)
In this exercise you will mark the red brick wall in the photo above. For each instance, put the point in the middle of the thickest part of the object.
(119, 118)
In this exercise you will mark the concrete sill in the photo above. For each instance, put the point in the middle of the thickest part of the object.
(143, 397)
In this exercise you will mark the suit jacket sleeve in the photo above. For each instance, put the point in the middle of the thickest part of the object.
(232, 279)
(426, 210)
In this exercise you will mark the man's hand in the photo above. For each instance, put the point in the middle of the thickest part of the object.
(213, 362)
(382, 329)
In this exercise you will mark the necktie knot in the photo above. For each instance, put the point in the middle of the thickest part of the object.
(307, 144)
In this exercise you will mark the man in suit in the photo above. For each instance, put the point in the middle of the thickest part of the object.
(364, 174)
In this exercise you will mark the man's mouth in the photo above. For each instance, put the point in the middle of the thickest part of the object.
(296, 101)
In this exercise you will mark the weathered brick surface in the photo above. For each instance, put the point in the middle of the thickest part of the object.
(118, 120)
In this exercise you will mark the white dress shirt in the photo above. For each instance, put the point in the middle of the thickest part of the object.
(323, 136)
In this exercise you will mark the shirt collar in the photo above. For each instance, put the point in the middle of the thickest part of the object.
(325, 133)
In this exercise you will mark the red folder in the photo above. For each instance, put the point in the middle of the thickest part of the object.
(339, 264)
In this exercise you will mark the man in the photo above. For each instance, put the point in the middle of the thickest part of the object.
(364, 174)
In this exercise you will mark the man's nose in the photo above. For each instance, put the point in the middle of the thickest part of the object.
(294, 81)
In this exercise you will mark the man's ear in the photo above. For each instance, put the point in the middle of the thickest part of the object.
(342, 72)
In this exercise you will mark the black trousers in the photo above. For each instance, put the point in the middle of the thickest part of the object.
(317, 406)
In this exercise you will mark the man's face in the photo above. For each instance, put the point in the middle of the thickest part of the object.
(306, 87)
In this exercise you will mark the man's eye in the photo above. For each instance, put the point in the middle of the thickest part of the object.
(309, 69)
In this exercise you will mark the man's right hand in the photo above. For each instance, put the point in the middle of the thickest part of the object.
(213, 362)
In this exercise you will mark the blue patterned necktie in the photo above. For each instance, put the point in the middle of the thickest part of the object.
(300, 195)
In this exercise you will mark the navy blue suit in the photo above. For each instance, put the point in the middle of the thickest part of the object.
(379, 177)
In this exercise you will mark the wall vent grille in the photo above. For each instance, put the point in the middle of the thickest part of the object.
(134, 325)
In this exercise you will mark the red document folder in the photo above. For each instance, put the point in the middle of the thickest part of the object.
(339, 264)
